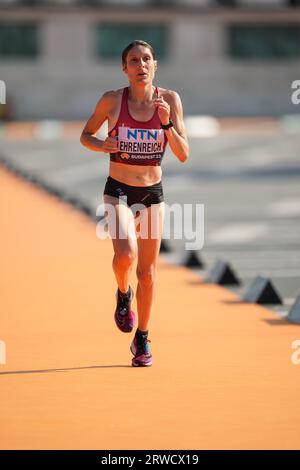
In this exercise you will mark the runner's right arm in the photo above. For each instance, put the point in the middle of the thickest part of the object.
(99, 116)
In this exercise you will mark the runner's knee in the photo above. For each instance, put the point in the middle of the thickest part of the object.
(146, 276)
(124, 258)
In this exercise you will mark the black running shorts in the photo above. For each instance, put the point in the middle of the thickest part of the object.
(146, 195)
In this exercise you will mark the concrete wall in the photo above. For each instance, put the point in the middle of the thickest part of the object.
(66, 81)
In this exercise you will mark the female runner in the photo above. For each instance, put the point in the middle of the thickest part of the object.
(142, 119)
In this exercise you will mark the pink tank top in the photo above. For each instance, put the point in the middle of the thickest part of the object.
(140, 142)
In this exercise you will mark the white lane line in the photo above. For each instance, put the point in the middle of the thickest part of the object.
(48, 130)
(238, 233)
(289, 300)
(258, 157)
(78, 173)
(268, 272)
(202, 126)
(285, 208)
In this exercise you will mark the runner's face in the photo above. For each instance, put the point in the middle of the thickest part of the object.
(139, 60)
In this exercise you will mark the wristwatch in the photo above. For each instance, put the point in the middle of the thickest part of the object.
(167, 126)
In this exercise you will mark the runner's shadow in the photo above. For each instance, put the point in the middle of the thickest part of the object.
(67, 369)
(277, 322)
(197, 282)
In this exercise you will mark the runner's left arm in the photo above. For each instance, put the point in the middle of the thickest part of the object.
(176, 135)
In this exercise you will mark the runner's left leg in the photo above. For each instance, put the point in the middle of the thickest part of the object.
(148, 251)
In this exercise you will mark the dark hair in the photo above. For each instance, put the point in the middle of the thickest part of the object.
(136, 42)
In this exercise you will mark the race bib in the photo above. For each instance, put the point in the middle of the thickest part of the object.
(140, 141)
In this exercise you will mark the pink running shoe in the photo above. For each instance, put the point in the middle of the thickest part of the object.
(124, 316)
(141, 351)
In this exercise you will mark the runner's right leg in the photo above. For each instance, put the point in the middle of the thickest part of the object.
(120, 221)
(125, 249)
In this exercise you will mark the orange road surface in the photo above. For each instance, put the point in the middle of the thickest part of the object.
(222, 376)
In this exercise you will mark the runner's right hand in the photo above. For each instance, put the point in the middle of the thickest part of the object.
(110, 145)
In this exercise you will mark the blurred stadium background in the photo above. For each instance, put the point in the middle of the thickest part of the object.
(225, 57)
(232, 62)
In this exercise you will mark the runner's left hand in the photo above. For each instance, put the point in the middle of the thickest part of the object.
(163, 109)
